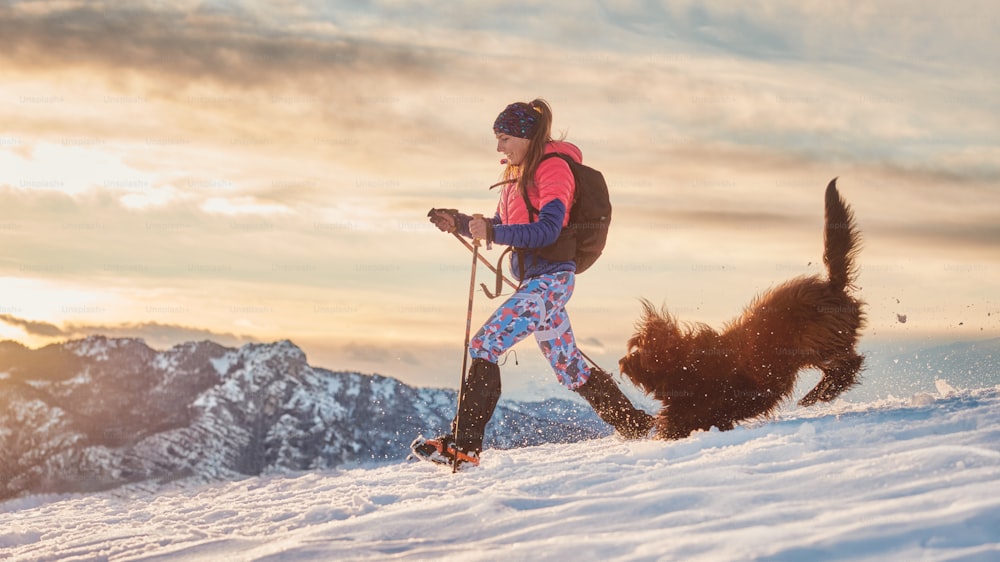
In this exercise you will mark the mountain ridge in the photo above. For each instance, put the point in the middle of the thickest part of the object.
(99, 412)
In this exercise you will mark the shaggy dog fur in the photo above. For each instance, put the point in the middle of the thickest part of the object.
(704, 378)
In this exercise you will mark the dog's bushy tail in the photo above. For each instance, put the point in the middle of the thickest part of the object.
(841, 240)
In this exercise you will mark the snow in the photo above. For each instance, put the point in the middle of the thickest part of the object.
(382, 390)
(943, 387)
(96, 347)
(894, 479)
(166, 362)
(223, 364)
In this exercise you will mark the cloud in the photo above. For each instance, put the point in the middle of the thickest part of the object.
(242, 206)
(169, 81)
(155, 334)
(724, 220)
(981, 238)
(592, 345)
(196, 42)
(375, 353)
(33, 328)
(864, 32)
(390, 82)
(162, 335)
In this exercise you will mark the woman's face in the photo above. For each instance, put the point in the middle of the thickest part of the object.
(513, 147)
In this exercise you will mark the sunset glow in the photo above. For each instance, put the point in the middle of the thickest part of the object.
(262, 171)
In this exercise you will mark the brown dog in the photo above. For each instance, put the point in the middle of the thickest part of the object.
(704, 378)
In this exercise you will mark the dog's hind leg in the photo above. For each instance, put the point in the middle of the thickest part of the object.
(838, 376)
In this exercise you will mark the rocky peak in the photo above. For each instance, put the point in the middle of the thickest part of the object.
(98, 412)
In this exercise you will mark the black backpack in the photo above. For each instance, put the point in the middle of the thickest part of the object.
(584, 237)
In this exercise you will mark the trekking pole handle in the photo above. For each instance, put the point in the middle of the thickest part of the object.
(477, 241)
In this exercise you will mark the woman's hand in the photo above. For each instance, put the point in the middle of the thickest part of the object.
(479, 228)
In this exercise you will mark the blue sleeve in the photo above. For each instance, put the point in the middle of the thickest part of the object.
(538, 234)
(462, 224)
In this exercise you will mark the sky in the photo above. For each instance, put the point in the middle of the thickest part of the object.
(261, 171)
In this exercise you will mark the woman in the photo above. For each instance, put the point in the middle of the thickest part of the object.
(537, 192)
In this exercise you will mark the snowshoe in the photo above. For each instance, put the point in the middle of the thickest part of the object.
(441, 450)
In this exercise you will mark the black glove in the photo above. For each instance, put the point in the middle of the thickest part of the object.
(445, 219)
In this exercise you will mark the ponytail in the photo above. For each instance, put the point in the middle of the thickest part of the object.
(524, 174)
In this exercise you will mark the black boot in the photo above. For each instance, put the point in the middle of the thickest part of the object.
(479, 397)
(614, 407)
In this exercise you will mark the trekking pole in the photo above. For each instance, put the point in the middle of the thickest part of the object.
(475, 253)
(465, 346)
(484, 261)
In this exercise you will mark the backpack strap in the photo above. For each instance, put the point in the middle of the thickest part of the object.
(532, 211)
(500, 277)
(564, 247)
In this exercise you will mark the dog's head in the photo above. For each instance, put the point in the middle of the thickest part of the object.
(658, 345)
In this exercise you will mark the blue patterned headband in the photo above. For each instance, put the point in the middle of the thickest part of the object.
(517, 120)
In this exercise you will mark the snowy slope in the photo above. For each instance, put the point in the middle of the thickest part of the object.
(913, 479)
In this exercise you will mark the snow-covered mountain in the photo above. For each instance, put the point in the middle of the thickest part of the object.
(96, 413)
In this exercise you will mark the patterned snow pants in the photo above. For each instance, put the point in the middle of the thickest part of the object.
(539, 308)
